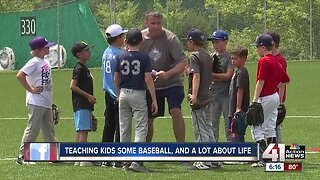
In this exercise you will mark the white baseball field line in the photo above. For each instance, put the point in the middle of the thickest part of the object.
(165, 117)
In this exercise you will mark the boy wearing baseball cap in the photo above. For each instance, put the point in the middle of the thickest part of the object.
(35, 76)
(221, 82)
(270, 77)
(83, 100)
(277, 54)
(199, 95)
(132, 78)
(115, 37)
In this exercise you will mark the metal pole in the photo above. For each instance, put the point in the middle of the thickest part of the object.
(167, 9)
(110, 13)
(311, 32)
(218, 15)
(58, 31)
(265, 15)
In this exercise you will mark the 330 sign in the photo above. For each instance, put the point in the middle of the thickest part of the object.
(28, 26)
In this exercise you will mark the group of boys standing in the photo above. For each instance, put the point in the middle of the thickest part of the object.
(211, 93)
(137, 81)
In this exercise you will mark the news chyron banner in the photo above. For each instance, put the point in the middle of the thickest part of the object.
(141, 152)
(281, 157)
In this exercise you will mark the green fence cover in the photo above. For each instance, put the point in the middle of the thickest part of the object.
(77, 23)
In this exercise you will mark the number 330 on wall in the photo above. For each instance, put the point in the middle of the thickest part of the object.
(28, 26)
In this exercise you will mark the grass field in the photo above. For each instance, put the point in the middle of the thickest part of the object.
(301, 127)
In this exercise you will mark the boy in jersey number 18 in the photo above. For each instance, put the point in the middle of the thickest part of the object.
(115, 37)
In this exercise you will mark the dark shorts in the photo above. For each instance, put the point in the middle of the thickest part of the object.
(174, 96)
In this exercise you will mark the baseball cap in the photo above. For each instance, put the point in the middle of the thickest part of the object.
(195, 35)
(134, 36)
(263, 40)
(115, 30)
(219, 35)
(79, 47)
(39, 42)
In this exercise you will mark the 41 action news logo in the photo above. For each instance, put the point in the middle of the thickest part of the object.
(281, 152)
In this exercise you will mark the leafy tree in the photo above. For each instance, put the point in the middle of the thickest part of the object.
(126, 17)
(18, 5)
(175, 17)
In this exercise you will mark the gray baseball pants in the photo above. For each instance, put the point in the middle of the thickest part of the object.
(40, 118)
(133, 103)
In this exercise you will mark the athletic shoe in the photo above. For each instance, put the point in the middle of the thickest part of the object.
(117, 164)
(107, 164)
(77, 163)
(258, 164)
(56, 162)
(125, 168)
(215, 165)
(139, 168)
(21, 161)
(235, 163)
(202, 166)
(82, 164)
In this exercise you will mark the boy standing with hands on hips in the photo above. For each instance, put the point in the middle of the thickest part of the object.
(35, 76)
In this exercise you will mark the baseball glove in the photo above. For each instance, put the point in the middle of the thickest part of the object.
(94, 123)
(198, 105)
(55, 114)
(282, 111)
(238, 123)
(216, 65)
(254, 115)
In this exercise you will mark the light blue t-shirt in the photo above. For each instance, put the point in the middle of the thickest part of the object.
(108, 67)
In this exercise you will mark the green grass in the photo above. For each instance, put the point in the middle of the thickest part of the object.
(303, 100)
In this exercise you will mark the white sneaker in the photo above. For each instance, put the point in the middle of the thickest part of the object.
(21, 161)
(82, 164)
(28, 163)
(201, 166)
(77, 163)
(258, 164)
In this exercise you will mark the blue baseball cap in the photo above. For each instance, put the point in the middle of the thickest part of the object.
(195, 35)
(40, 42)
(219, 35)
(263, 40)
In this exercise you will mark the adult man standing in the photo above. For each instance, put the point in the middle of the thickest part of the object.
(168, 62)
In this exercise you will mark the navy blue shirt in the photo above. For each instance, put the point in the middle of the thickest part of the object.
(132, 66)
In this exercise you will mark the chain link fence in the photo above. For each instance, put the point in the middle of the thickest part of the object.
(297, 21)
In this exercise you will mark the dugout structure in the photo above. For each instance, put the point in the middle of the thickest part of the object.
(76, 23)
